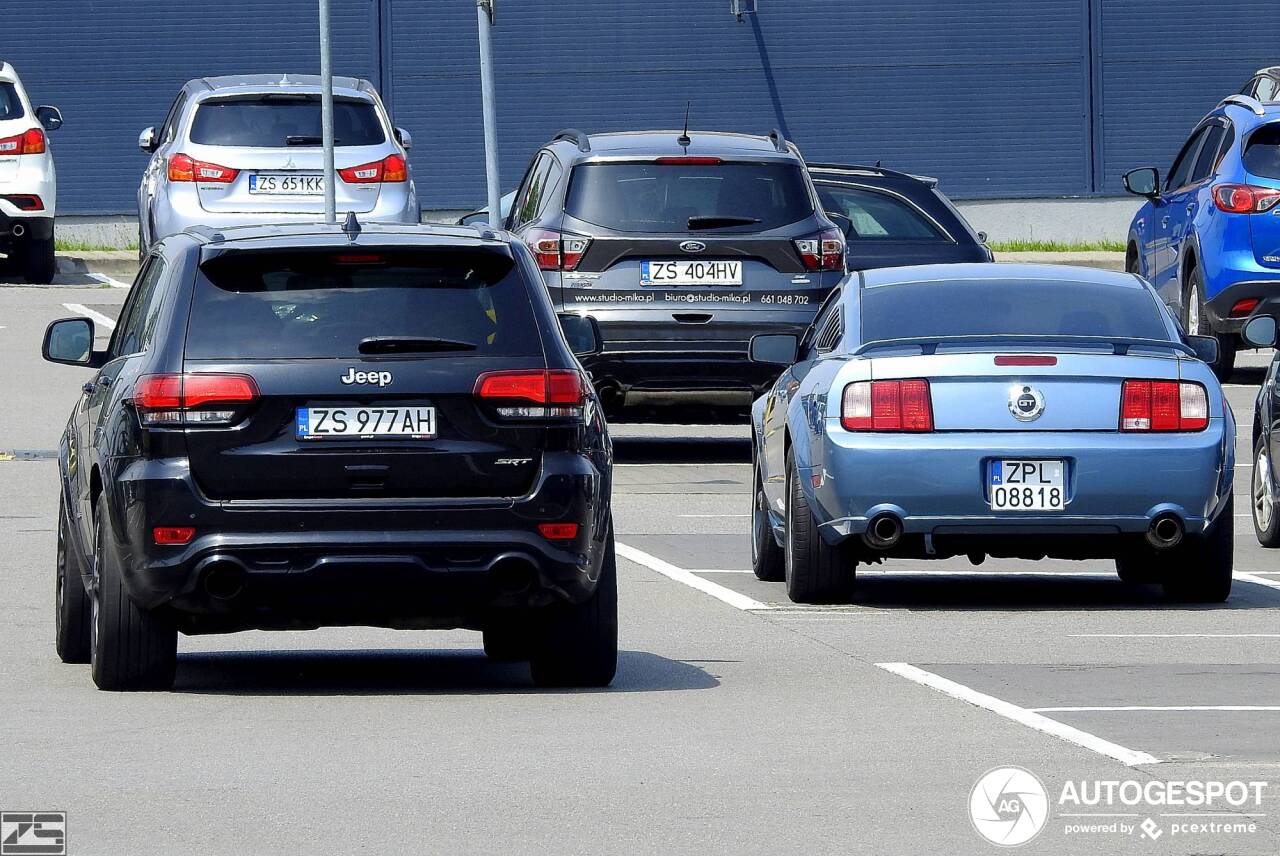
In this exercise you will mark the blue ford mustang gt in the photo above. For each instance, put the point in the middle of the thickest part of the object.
(993, 410)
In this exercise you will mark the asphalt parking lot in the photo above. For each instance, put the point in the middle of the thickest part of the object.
(739, 723)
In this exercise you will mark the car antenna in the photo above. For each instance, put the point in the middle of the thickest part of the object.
(351, 226)
(683, 140)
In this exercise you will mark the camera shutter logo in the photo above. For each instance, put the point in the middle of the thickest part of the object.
(1008, 806)
(33, 833)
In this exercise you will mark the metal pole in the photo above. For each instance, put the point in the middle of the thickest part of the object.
(326, 117)
(484, 12)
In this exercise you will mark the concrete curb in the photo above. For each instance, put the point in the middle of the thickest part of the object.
(1100, 260)
(111, 262)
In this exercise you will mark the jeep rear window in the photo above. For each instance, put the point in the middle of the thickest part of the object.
(275, 121)
(1009, 307)
(1262, 152)
(10, 103)
(302, 304)
(652, 197)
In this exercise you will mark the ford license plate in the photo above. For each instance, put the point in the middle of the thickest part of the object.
(690, 272)
(1021, 485)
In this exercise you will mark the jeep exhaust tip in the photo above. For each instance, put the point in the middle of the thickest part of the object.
(883, 532)
(1165, 531)
(222, 577)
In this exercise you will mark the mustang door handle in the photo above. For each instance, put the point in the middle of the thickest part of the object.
(89, 386)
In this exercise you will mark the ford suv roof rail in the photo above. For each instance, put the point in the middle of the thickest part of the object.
(582, 140)
(779, 141)
(1244, 101)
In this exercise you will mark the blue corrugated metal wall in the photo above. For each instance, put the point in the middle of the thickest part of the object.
(1000, 98)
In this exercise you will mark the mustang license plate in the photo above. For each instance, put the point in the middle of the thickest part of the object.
(1028, 485)
(408, 423)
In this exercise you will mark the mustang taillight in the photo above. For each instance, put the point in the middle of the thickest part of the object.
(537, 394)
(557, 250)
(1163, 405)
(887, 405)
(823, 251)
(194, 399)
(186, 168)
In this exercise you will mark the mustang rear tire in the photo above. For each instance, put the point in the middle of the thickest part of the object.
(72, 631)
(766, 554)
(133, 649)
(1199, 569)
(1138, 570)
(576, 645)
(816, 572)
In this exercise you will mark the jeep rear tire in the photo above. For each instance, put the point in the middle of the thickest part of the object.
(576, 645)
(74, 609)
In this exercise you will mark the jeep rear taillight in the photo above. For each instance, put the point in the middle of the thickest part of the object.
(887, 405)
(30, 142)
(193, 399)
(186, 168)
(535, 394)
(823, 251)
(1163, 405)
(557, 250)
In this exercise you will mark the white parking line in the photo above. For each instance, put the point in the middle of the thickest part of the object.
(1173, 635)
(680, 575)
(713, 516)
(1256, 580)
(1021, 715)
(1245, 708)
(106, 280)
(96, 317)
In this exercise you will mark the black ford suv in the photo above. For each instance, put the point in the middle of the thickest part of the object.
(682, 246)
(298, 426)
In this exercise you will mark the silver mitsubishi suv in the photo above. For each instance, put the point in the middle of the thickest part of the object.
(247, 149)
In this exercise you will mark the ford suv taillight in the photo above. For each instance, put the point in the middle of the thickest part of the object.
(887, 405)
(823, 251)
(1163, 405)
(193, 399)
(535, 394)
(30, 142)
(186, 168)
(557, 250)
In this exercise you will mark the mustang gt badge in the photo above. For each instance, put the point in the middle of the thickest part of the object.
(693, 246)
(1026, 403)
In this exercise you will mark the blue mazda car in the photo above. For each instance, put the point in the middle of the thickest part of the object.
(1208, 237)
(1013, 411)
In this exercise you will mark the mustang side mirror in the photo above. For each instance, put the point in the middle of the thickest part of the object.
(1260, 332)
(1206, 348)
(774, 348)
(70, 341)
(582, 332)
(1144, 181)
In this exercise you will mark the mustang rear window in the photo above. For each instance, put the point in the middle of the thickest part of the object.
(277, 121)
(697, 198)
(1009, 307)
(1262, 153)
(10, 103)
(313, 304)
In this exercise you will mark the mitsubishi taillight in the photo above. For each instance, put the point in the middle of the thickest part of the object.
(30, 142)
(192, 399)
(390, 169)
(557, 250)
(1245, 198)
(1163, 405)
(186, 168)
(823, 251)
(887, 405)
(535, 394)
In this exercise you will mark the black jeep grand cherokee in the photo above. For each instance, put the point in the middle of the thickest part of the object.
(295, 427)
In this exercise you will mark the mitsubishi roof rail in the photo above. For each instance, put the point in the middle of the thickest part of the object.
(1244, 101)
(582, 140)
(779, 141)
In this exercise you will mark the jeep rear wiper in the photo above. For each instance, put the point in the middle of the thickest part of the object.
(411, 345)
(307, 140)
(715, 221)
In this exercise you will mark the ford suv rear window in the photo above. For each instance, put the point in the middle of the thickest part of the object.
(1009, 307)
(1262, 152)
(307, 304)
(10, 103)
(688, 197)
(275, 121)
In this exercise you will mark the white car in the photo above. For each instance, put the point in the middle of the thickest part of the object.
(28, 184)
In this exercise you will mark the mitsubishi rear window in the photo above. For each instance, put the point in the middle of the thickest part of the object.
(10, 103)
(1009, 307)
(302, 304)
(276, 121)
(688, 197)
(1262, 152)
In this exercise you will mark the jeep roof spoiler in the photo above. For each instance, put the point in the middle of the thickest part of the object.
(876, 170)
(578, 137)
(1244, 101)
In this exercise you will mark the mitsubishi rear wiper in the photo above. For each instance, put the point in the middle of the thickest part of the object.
(307, 140)
(715, 221)
(411, 345)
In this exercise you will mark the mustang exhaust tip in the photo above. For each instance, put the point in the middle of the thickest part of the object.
(884, 531)
(1165, 531)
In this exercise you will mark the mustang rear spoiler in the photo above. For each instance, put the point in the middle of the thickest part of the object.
(930, 344)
